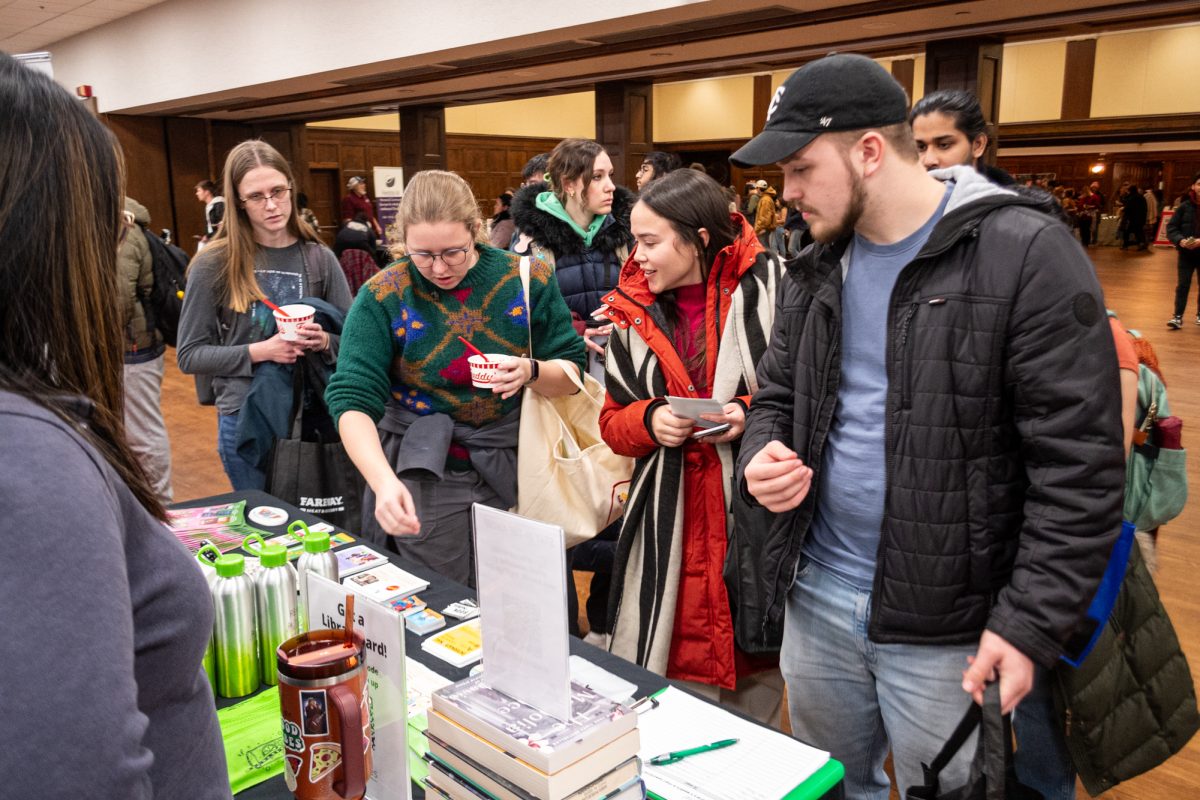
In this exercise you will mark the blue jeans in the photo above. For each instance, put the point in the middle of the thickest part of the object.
(852, 696)
(241, 473)
(1042, 760)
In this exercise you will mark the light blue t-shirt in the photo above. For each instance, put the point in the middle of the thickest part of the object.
(844, 535)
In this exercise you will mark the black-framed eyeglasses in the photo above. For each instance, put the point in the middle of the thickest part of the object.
(276, 195)
(454, 257)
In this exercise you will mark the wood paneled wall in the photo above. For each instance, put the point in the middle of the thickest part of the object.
(492, 164)
(165, 157)
(1174, 169)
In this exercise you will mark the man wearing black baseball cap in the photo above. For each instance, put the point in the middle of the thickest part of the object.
(938, 425)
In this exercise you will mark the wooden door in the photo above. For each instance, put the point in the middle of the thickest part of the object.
(324, 198)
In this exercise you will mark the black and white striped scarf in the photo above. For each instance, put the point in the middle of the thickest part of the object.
(650, 549)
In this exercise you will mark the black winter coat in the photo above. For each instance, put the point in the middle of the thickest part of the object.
(1184, 222)
(584, 274)
(1005, 469)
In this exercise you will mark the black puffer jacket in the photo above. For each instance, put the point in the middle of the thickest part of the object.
(584, 273)
(1005, 469)
(1184, 222)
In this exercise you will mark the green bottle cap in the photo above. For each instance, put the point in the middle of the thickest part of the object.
(298, 530)
(316, 542)
(208, 550)
(253, 544)
(231, 565)
(273, 555)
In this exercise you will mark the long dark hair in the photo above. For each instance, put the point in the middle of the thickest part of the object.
(61, 186)
(958, 104)
(690, 200)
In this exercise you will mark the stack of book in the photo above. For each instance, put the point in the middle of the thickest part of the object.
(484, 744)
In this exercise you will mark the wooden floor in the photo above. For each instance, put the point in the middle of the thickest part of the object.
(1138, 286)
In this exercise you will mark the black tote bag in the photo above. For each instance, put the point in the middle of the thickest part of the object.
(992, 775)
(311, 470)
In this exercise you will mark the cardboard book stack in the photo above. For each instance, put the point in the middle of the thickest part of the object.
(484, 744)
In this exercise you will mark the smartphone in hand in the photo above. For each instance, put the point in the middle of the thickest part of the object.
(714, 430)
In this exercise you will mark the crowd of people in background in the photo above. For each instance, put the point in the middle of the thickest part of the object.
(924, 411)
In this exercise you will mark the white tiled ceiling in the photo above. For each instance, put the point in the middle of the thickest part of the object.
(28, 25)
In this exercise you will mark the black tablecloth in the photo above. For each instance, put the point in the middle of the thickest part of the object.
(441, 593)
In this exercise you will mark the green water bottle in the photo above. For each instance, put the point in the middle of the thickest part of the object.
(234, 629)
(275, 602)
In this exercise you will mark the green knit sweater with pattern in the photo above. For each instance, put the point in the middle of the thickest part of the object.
(400, 341)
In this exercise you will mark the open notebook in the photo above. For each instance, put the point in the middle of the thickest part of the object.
(763, 765)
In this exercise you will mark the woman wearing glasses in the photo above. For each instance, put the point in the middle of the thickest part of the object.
(402, 362)
(263, 250)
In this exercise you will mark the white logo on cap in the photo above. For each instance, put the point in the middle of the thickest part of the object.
(826, 122)
(774, 102)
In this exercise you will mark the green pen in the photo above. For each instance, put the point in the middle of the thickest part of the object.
(679, 755)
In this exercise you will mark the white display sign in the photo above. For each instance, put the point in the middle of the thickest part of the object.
(383, 640)
(521, 572)
(389, 181)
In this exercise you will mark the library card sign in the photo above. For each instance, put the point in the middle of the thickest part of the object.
(383, 631)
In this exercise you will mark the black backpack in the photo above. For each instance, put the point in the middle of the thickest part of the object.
(170, 276)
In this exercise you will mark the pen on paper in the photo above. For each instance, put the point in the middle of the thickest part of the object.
(679, 755)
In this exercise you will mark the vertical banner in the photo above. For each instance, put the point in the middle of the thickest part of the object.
(389, 188)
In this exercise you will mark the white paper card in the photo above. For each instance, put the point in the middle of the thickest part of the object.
(763, 765)
(601, 681)
(692, 407)
(521, 572)
(383, 635)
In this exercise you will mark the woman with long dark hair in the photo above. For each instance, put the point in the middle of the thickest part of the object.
(691, 318)
(263, 250)
(104, 695)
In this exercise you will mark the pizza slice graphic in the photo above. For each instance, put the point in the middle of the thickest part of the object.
(325, 758)
(291, 768)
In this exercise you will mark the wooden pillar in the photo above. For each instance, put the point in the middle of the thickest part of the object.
(422, 139)
(625, 125)
(762, 101)
(973, 65)
(1077, 79)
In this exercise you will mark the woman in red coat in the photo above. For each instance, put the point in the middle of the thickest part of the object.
(691, 316)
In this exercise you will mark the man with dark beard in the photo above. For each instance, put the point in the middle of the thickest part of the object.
(937, 424)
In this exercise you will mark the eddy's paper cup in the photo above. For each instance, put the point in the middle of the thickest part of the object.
(483, 368)
(289, 326)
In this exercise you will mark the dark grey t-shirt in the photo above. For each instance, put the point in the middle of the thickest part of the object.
(216, 343)
(105, 623)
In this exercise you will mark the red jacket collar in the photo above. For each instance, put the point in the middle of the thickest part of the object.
(632, 295)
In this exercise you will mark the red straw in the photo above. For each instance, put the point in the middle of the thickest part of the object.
(472, 348)
(276, 309)
(350, 620)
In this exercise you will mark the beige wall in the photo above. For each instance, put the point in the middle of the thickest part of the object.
(1031, 81)
(560, 116)
(378, 122)
(1147, 72)
(694, 111)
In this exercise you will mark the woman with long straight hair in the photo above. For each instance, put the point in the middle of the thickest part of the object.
(104, 695)
(427, 441)
(691, 318)
(263, 250)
